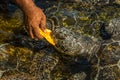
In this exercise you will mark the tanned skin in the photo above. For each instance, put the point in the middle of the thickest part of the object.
(34, 17)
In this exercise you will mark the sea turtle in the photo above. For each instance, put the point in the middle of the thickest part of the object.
(106, 63)
(106, 58)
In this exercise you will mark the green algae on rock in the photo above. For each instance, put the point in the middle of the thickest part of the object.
(114, 27)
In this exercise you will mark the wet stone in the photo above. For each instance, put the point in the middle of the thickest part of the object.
(18, 76)
(113, 27)
(21, 64)
(43, 65)
(78, 76)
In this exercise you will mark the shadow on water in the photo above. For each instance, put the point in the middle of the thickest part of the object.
(69, 66)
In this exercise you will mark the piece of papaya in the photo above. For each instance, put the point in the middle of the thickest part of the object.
(47, 34)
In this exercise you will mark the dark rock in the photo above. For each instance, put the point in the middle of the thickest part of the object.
(78, 76)
(114, 27)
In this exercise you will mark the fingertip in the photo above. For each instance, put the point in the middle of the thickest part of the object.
(31, 33)
(32, 37)
(40, 37)
(43, 21)
(43, 28)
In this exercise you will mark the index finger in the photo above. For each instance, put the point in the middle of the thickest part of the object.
(43, 23)
(37, 32)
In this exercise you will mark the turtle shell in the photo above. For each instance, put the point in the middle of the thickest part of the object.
(106, 64)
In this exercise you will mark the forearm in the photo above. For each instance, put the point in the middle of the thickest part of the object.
(26, 5)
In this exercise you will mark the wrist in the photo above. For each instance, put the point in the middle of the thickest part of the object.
(29, 9)
(27, 6)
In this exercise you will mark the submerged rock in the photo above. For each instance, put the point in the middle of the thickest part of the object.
(114, 27)
(18, 76)
(78, 76)
(21, 63)
(42, 66)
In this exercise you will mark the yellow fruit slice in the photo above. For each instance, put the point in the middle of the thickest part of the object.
(47, 35)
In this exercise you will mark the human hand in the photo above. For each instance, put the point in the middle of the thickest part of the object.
(35, 19)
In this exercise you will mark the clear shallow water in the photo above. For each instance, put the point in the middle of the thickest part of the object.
(17, 50)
